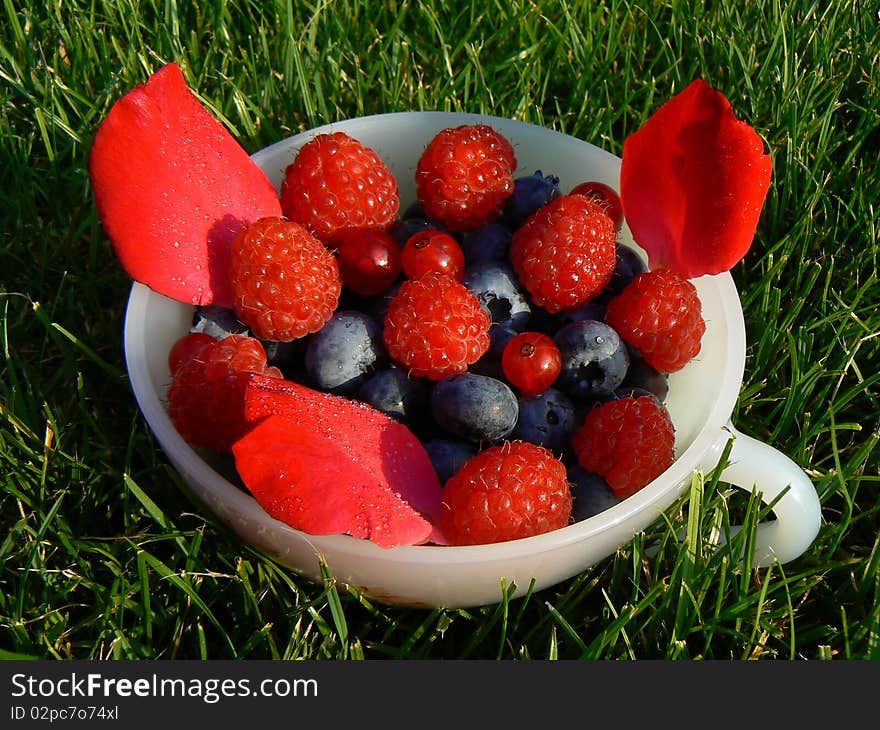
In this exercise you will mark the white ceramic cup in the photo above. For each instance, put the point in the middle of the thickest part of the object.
(701, 400)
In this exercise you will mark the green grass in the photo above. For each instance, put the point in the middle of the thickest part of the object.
(103, 554)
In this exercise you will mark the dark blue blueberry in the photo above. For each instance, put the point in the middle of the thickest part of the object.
(547, 322)
(448, 455)
(500, 292)
(489, 242)
(217, 321)
(641, 375)
(497, 287)
(631, 391)
(548, 420)
(474, 407)
(352, 301)
(413, 210)
(377, 306)
(287, 356)
(490, 363)
(627, 267)
(396, 394)
(591, 493)
(594, 360)
(593, 309)
(405, 228)
(530, 193)
(341, 355)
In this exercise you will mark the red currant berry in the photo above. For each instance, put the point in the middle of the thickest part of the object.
(606, 196)
(186, 348)
(369, 260)
(432, 250)
(531, 361)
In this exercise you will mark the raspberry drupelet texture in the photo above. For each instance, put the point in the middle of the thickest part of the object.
(206, 396)
(564, 254)
(286, 282)
(604, 195)
(659, 314)
(506, 492)
(629, 442)
(465, 175)
(336, 183)
(435, 327)
(186, 348)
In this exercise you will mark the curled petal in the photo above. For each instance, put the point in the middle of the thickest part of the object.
(173, 187)
(693, 182)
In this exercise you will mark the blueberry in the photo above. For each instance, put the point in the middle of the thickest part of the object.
(631, 391)
(396, 394)
(414, 210)
(500, 292)
(474, 407)
(594, 360)
(643, 376)
(217, 321)
(591, 493)
(490, 363)
(547, 322)
(530, 193)
(448, 455)
(489, 242)
(548, 420)
(341, 355)
(287, 356)
(593, 309)
(627, 267)
(403, 229)
(497, 287)
(377, 307)
(366, 303)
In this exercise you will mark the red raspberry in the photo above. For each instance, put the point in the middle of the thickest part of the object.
(186, 348)
(435, 326)
(604, 195)
(464, 176)
(564, 254)
(659, 314)
(503, 493)
(206, 397)
(629, 442)
(286, 283)
(335, 183)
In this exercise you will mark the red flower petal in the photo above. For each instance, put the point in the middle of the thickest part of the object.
(693, 181)
(384, 447)
(310, 481)
(173, 187)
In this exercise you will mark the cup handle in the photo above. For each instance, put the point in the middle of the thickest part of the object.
(756, 466)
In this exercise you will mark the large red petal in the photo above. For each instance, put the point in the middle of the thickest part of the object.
(384, 447)
(308, 480)
(693, 182)
(173, 187)
(306, 489)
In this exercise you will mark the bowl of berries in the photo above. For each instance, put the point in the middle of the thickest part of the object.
(443, 356)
